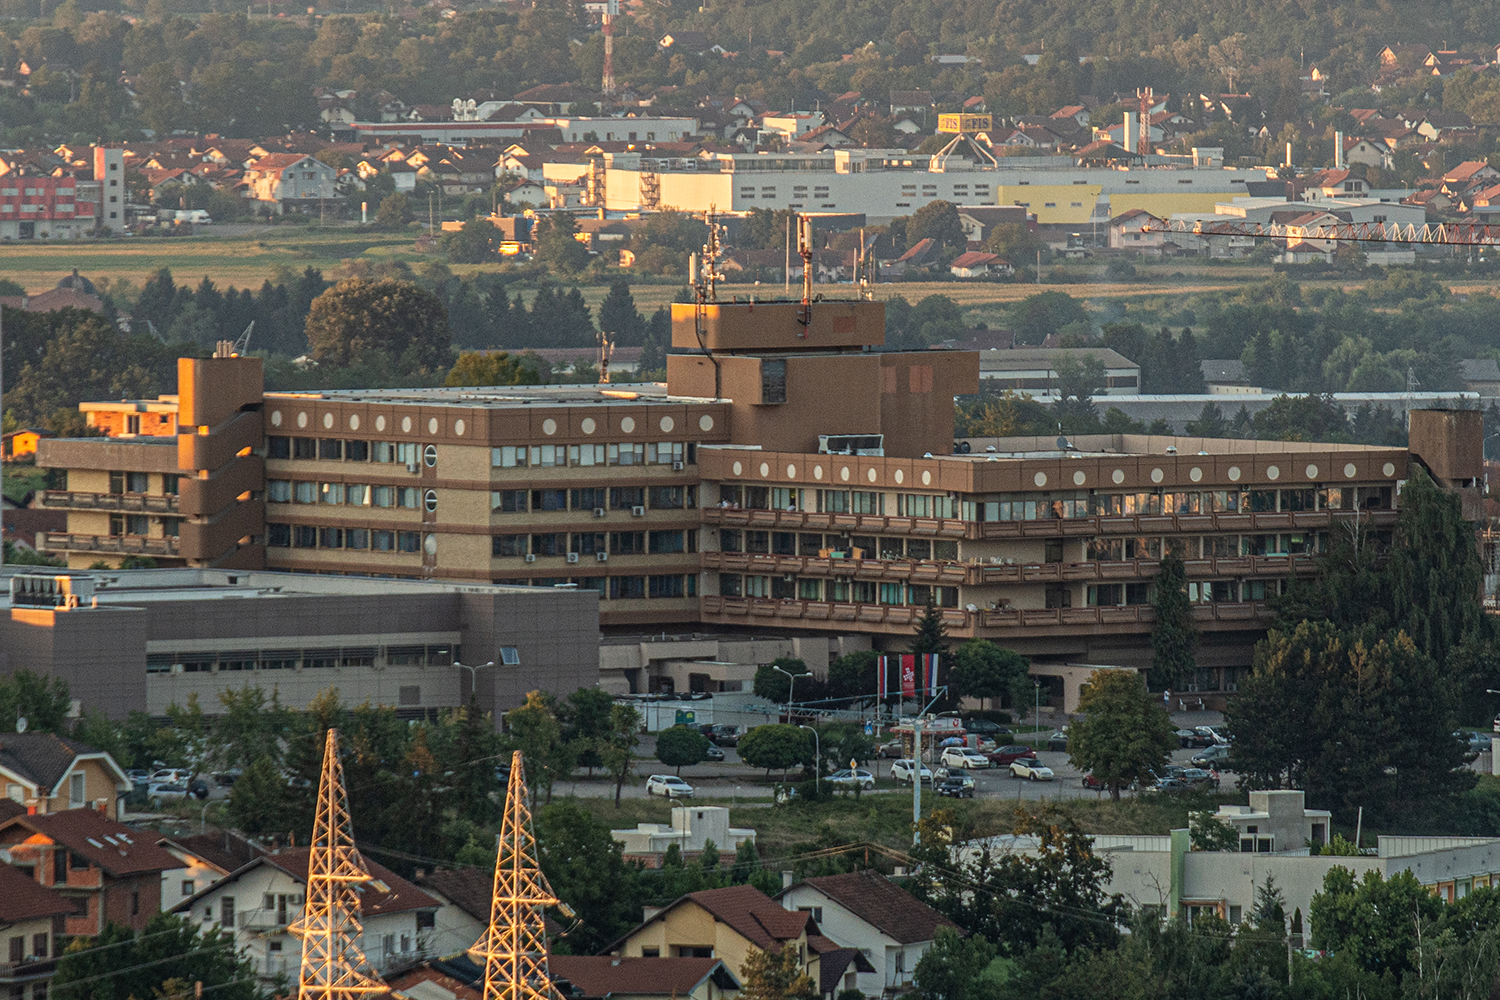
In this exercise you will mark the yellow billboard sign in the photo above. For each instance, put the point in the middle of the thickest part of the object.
(965, 123)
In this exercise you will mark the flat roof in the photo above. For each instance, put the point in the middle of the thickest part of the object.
(501, 396)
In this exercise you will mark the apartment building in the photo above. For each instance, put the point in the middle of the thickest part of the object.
(792, 475)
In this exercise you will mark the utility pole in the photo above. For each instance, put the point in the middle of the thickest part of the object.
(2, 424)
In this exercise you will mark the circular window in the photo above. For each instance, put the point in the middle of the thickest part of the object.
(380, 423)
(765, 470)
(1196, 475)
(791, 471)
(1234, 473)
(926, 478)
(429, 500)
(354, 421)
(1312, 472)
(275, 418)
(429, 545)
(588, 425)
(627, 424)
(900, 477)
(1349, 470)
(1157, 475)
(739, 469)
(1118, 476)
(844, 473)
(328, 421)
(406, 425)
(432, 425)
(1079, 478)
(458, 427)
(1388, 469)
(817, 472)
(549, 427)
(1272, 472)
(1040, 479)
(705, 423)
(301, 420)
(667, 423)
(429, 455)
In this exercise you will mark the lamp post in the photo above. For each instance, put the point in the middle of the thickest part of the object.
(473, 675)
(1037, 718)
(790, 689)
(817, 760)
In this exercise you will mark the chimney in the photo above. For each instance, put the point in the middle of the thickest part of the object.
(1338, 151)
(786, 880)
(102, 805)
(1288, 153)
(31, 808)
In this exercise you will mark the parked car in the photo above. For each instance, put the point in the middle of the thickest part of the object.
(1193, 738)
(1216, 733)
(139, 777)
(168, 790)
(713, 753)
(1167, 785)
(962, 757)
(1200, 779)
(849, 779)
(1031, 769)
(1093, 784)
(1058, 740)
(986, 728)
(956, 787)
(1004, 756)
(226, 779)
(723, 735)
(1477, 742)
(668, 785)
(902, 770)
(1216, 754)
(170, 775)
(891, 749)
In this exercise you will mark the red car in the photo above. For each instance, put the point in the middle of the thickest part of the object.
(1002, 756)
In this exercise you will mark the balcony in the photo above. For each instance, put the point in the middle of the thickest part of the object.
(863, 569)
(997, 623)
(135, 545)
(1172, 524)
(20, 972)
(129, 502)
(793, 520)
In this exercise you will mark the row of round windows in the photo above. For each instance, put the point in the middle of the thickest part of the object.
(549, 426)
(1080, 478)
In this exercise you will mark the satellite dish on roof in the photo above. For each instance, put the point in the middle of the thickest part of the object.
(21, 724)
(1062, 442)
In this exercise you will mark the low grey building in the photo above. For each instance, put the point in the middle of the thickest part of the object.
(140, 640)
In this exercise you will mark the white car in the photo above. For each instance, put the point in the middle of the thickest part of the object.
(1031, 769)
(169, 775)
(901, 770)
(964, 758)
(166, 790)
(669, 785)
(849, 779)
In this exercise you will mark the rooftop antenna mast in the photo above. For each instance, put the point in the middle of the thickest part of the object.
(606, 351)
(805, 251)
(709, 276)
(1147, 99)
(611, 8)
(513, 948)
(242, 344)
(332, 962)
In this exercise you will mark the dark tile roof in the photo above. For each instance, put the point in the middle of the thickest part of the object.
(397, 895)
(753, 914)
(45, 758)
(882, 904)
(602, 975)
(832, 965)
(111, 845)
(466, 888)
(22, 898)
(225, 851)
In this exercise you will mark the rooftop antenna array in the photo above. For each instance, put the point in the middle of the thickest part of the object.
(704, 276)
(332, 963)
(606, 351)
(805, 251)
(513, 948)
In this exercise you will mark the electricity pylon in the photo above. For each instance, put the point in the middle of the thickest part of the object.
(332, 962)
(514, 947)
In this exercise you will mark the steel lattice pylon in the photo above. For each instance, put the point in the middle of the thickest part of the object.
(514, 948)
(332, 962)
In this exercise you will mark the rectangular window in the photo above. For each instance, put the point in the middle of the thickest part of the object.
(549, 499)
(587, 543)
(331, 449)
(356, 451)
(731, 540)
(590, 498)
(357, 538)
(757, 586)
(408, 541)
(226, 912)
(331, 493)
(509, 501)
(809, 589)
(664, 452)
(278, 536)
(383, 496)
(627, 543)
(833, 501)
(626, 497)
(304, 536)
(548, 455)
(665, 542)
(508, 545)
(508, 457)
(669, 497)
(75, 791)
(39, 949)
(384, 451)
(356, 495)
(550, 544)
(730, 585)
(865, 502)
(136, 482)
(330, 538)
(383, 541)
(627, 454)
(667, 586)
(279, 491)
(406, 496)
(586, 454)
(305, 492)
(278, 447)
(773, 381)
(304, 448)
(624, 588)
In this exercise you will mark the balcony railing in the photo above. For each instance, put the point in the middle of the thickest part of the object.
(960, 621)
(36, 968)
(973, 574)
(862, 569)
(55, 541)
(739, 517)
(131, 502)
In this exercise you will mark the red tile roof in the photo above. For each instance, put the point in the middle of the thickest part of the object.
(602, 975)
(880, 903)
(23, 898)
(112, 846)
(402, 895)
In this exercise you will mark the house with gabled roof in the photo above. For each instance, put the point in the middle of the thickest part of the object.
(466, 896)
(206, 858)
(48, 773)
(257, 902)
(875, 917)
(29, 918)
(108, 872)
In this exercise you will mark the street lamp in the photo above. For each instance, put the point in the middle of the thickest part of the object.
(473, 675)
(817, 761)
(1038, 716)
(790, 688)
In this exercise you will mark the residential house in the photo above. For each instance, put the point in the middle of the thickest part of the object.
(290, 182)
(1075, 112)
(976, 264)
(257, 902)
(728, 924)
(924, 252)
(1363, 151)
(1402, 56)
(107, 871)
(979, 221)
(1129, 231)
(21, 443)
(30, 915)
(48, 773)
(868, 912)
(692, 827)
(1468, 174)
(1481, 375)
(917, 103)
(1335, 184)
(604, 977)
(465, 895)
(206, 858)
(695, 42)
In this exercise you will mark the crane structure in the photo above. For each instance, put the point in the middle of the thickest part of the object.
(513, 949)
(332, 963)
(1462, 234)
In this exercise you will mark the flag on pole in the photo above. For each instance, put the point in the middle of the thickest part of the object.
(930, 670)
(882, 678)
(908, 675)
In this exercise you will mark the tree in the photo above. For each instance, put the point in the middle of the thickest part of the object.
(1208, 833)
(552, 236)
(937, 221)
(1373, 919)
(397, 322)
(956, 968)
(680, 746)
(1037, 317)
(164, 960)
(931, 632)
(854, 675)
(586, 724)
(1174, 634)
(616, 753)
(774, 685)
(618, 316)
(394, 212)
(583, 864)
(257, 798)
(1015, 242)
(1210, 423)
(478, 242)
(1123, 735)
(777, 746)
(981, 669)
(44, 701)
(537, 733)
(776, 975)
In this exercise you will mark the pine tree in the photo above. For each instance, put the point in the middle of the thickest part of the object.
(1174, 637)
